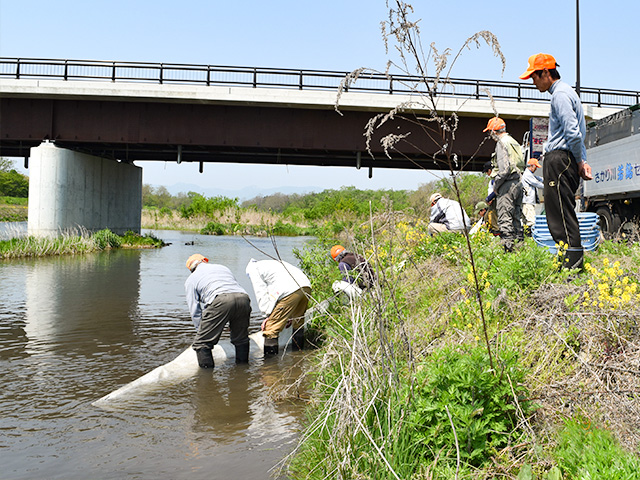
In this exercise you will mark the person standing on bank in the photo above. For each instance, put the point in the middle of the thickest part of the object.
(283, 293)
(509, 162)
(565, 158)
(214, 298)
(531, 183)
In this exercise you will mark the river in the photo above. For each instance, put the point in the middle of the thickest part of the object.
(75, 328)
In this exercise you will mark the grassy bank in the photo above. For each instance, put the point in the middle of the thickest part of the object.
(74, 243)
(506, 370)
(13, 209)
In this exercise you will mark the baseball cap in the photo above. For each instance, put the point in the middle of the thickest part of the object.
(539, 61)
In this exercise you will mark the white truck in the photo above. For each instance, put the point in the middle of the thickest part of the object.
(613, 151)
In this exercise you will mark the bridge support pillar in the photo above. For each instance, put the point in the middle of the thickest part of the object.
(69, 191)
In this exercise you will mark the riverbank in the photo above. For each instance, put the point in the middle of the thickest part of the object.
(497, 367)
(73, 243)
(230, 221)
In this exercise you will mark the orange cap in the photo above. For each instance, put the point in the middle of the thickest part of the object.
(539, 61)
(336, 250)
(495, 123)
(534, 161)
(194, 259)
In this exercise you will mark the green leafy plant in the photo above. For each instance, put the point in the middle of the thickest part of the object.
(461, 408)
(586, 451)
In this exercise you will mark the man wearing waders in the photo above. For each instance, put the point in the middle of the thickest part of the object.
(224, 300)
(509, 163)
(283, 293)
(565, 158)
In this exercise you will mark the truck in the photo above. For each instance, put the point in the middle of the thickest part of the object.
(613, 151)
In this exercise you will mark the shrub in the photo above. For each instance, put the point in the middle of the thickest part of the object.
(213, 228)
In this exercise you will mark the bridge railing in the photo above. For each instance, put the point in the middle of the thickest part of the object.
(169, 73)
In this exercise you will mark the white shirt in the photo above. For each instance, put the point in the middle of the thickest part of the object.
(273, 280)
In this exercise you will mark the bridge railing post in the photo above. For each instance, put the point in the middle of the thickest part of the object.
(390, 85)
(301, 80)
(161, 73)
(18, 69)
(66, 70)
(208, 75)
(255, 78)
(113, 72)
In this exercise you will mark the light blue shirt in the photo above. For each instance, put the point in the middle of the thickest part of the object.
(567, 127)
(204, 284)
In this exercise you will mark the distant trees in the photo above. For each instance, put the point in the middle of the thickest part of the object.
(12, 183)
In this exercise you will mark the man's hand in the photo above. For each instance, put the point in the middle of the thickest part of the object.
(584, 170)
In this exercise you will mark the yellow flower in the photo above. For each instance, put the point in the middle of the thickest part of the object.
(605, 262)
(488, 306)
(477, 338)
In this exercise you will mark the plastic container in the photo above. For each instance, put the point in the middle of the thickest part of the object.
(589, 232)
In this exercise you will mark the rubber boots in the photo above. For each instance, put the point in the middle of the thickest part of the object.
(205, 358)
(242, 353)
(573, 258)
(270, 346)
(297, 343)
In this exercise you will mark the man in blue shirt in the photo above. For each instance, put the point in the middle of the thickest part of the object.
(214, 298)
(565, 158)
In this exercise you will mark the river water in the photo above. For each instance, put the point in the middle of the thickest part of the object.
(75, 328)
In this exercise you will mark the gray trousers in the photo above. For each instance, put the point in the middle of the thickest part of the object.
(234, 308)
(509, 206)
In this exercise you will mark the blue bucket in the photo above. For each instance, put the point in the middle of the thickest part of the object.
(589, 232)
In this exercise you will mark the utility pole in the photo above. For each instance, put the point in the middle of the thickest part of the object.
(578, 47)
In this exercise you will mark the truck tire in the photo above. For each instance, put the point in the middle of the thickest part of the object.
(609, 222)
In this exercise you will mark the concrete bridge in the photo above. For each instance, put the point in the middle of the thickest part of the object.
(97, 112)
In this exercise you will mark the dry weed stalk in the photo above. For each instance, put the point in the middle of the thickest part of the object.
(421, 110)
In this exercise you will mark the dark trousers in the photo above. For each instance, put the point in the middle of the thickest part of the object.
(509, 206)
(561, 180)
(234, 308)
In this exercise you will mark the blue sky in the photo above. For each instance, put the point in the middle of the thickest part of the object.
(327, 35)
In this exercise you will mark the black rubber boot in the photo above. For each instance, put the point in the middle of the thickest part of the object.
(242, 353)
(270, 346)
(297, 342)
(574, 259)
(205, 358)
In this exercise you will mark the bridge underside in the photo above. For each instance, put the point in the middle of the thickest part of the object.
(207, 133)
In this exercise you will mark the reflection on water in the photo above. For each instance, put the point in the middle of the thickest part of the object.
(75, 328)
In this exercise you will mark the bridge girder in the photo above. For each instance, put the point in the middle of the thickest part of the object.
(209, 133)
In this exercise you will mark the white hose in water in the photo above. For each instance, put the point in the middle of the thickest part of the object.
(185, 366)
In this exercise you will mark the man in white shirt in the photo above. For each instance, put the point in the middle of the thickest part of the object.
(283, 293)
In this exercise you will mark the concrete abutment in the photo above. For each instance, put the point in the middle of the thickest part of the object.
(71, 191)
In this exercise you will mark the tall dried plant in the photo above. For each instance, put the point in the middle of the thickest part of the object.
(429, 72)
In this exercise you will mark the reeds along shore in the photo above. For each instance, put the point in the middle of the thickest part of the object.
(73, 242)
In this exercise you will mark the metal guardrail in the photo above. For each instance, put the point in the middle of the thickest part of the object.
(173, 73)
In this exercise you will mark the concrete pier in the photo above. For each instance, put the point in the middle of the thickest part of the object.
(71, 191)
